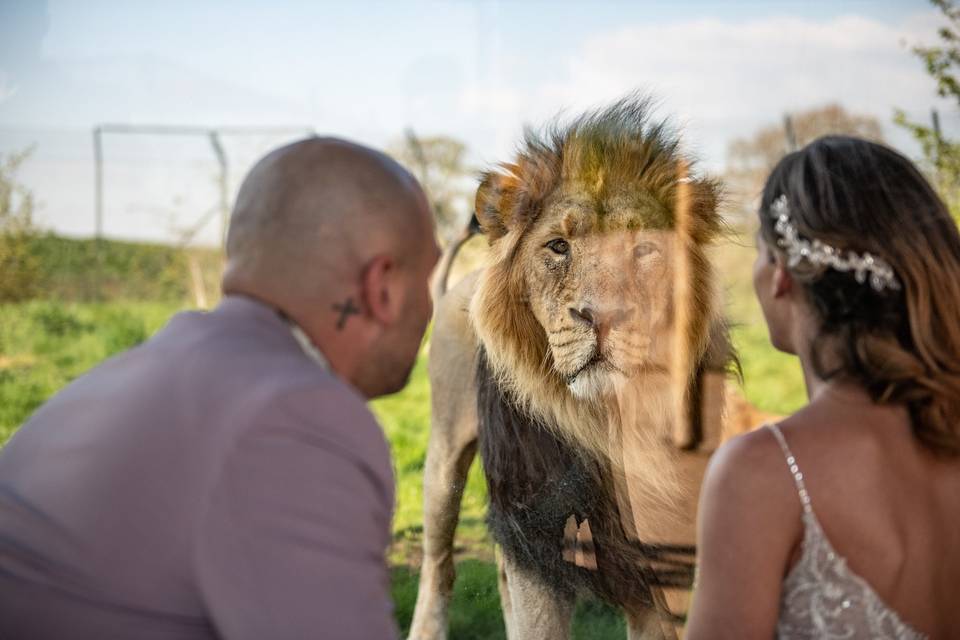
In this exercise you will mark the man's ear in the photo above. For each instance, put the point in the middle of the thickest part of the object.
(496, 198)
(782, 281)
(382, 293)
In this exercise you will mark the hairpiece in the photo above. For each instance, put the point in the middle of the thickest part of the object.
(821, 254)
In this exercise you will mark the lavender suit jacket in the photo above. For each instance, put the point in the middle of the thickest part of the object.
(214, 482)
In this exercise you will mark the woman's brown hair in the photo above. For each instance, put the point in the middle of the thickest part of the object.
(902, 345)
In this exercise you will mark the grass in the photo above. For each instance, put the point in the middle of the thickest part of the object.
(475, 612)
(45, 344)
(772, 381)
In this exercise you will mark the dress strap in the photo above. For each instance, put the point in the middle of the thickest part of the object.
(794, 469)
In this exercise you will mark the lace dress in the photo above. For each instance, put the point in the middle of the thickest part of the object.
(822, 598)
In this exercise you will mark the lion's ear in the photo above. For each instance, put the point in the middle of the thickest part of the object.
(496, 197)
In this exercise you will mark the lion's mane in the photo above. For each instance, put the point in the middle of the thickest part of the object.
(613, 147)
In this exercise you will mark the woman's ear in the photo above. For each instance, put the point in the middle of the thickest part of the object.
(382, 293)
(782, 281)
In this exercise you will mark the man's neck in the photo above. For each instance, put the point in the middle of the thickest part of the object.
(338, 342)
(341, 348)
(309, 348)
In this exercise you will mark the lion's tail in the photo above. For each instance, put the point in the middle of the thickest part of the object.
(442, 273)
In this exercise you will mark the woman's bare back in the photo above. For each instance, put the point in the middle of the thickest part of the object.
(887, 505)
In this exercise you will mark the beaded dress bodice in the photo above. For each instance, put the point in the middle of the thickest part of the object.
(821, 597)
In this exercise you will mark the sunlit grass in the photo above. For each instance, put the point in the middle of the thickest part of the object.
(46, 344)
(772, 381)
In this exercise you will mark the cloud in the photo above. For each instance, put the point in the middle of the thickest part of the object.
(721, 79)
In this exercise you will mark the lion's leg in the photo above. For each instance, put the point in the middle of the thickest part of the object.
(537, 611)
(505, 604)
(450, 451)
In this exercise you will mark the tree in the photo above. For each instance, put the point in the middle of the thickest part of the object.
(941, 157)
(439, 164)
(750, 160)
(19, 266)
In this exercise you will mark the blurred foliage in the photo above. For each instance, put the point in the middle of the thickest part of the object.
(750, 160)
(90, 269)
(439, 163)
(86, 270)
(941, 157)
(772, 380)
(19, 268)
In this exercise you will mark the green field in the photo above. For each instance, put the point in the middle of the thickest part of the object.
(44, 344)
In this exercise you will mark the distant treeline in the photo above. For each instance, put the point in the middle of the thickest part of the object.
(83, 270)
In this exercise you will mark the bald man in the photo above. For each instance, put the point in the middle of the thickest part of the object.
(225, 479)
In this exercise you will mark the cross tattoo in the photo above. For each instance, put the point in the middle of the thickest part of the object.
(346, 310)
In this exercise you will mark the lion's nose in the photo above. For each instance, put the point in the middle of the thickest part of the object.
(583, 314)
(601, 321)
(598, 318)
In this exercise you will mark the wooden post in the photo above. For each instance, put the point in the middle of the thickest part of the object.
(681, 359)
(224, 185)
(938, 136)
(98, 181)
(98, 209)
(790, 133)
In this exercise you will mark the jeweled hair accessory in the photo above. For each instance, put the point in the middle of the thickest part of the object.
(821, 254)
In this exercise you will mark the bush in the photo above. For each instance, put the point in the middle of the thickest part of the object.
(122, 331)
(58, 320)
(19, 267)
(87, 269)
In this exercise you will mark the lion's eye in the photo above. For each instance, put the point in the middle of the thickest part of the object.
(559, 246)
(645, 249)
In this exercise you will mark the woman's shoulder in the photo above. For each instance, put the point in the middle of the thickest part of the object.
(749, 459)
(750, 477)
(748, 526)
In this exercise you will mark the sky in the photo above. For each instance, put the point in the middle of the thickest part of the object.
(477, 71)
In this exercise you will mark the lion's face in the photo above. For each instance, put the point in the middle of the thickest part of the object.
(597, 271)
(600, 287)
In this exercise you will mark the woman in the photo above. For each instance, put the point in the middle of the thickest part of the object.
(843, 520)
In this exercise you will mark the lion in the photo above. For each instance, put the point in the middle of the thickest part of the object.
(574, 362)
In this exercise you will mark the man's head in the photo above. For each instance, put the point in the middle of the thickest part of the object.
(340, 238)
